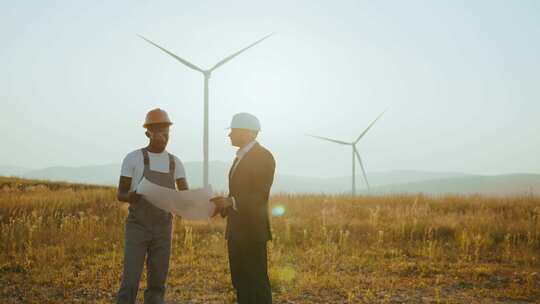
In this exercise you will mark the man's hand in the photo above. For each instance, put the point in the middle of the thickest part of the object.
(222, 202)
(217, 211)
(134, 197)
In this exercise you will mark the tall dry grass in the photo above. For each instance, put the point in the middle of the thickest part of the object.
(62, 243)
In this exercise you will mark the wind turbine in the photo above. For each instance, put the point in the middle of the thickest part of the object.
(206, 73)
(355, 153)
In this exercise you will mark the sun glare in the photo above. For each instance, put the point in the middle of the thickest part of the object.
(278, 211)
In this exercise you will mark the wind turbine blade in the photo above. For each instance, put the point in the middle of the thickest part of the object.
(185, 62)
(223, 61)
(362, 167)
(370, 125)
(330, 139)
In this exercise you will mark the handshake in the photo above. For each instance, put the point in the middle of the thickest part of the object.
(221, 203)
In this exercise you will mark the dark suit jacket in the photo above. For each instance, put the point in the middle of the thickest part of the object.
(250, 186)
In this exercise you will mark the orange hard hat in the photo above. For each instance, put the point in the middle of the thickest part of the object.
(157, 116)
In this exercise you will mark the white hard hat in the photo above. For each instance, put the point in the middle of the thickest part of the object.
(245, 121)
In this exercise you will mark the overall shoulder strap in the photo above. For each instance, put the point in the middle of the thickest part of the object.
(172, 164)
(145, 157)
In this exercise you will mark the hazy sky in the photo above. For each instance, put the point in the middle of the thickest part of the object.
(460, 79)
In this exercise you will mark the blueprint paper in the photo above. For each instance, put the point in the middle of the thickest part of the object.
(189, 204)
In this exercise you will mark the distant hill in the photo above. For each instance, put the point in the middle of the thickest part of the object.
(108, 174)
(404, 181)
(508, 184)
(302, 184)
(101, 174)
(12, 171)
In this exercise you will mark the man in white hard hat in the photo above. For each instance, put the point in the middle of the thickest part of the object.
(148, 228)
(246, 209)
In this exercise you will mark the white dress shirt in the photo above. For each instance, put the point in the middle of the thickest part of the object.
(239, 155)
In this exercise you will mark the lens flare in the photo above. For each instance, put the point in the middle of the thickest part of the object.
(278, 211)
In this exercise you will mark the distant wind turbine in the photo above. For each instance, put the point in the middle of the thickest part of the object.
(206, 73)
(355, 153)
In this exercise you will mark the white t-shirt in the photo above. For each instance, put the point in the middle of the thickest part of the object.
(133, 166)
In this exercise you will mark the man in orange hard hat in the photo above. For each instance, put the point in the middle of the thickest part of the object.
(148, 228)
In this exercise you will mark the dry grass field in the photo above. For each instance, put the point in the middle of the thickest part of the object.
(63, 243)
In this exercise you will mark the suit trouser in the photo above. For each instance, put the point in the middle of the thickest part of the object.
(249, 271)
(154, 244)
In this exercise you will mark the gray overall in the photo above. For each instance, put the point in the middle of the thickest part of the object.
(148, 234)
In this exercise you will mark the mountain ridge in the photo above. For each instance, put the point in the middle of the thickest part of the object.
(396, 181)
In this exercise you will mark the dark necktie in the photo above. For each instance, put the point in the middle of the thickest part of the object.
(233, 167)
